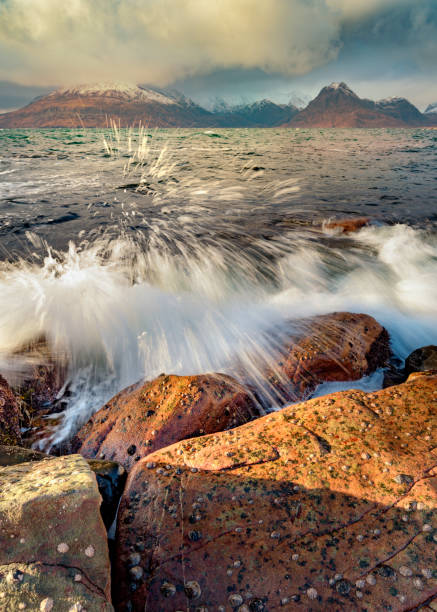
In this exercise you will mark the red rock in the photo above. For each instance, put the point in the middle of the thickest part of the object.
(142, 419)
(352, 224)
(334, 347)
(9, 415)
(323, 506)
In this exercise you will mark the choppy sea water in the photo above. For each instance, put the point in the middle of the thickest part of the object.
(184, 251)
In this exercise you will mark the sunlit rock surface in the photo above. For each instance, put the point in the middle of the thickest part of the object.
(143, 419)
(326, 505)
(53, 546)
(335, 347)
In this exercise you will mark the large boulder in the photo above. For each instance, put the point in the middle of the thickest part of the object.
(53, 546)
(325, 505)
(335, 347)
(111, 477)
(145, 418)
(9, 415)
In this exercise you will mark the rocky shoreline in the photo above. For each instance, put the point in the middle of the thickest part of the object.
(326, 504)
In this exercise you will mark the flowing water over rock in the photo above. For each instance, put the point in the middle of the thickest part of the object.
(136, 252)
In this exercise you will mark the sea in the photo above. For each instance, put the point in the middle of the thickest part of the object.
(133, 252)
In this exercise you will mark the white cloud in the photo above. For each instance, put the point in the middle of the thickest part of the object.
(49, 41)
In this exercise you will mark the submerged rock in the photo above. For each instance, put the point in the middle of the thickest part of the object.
(144, 418)
(9, 415)
(49, 518)
(336, 347)
(319, 506)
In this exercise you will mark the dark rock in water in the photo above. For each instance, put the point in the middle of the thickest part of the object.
(111, 477)
(422, 359)
(336, 347)
(10, 414)
(144, 418)
(286, 526)
(53, 544)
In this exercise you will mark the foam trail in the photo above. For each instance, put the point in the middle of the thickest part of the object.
(119, 312)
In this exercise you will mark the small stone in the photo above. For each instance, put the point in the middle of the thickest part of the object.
(46, 605)
(77, 577)
(359, 594)
(22, 606)
(168, 589)
(235, 600)
(370, 579)
(427, 527)
(134, 559)
(295, 557)
(136, 572)
(403, 479)
(275, 535)
(405, 571)
(63, 548)
(427, 573)
(312, 593)
(77, 607)
(418, 584)
(90, 551)
(360, 584)
(365, 456)
(192, 589)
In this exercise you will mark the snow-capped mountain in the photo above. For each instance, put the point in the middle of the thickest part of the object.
(95, 105)
(264, 113)
(338, 106)
(402, 109)
(432, 108)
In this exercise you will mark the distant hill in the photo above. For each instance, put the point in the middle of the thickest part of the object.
(259, 114)
(95, 105)
(129, 105)
(338, 106)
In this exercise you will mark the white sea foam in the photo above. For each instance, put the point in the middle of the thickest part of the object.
(121, 313)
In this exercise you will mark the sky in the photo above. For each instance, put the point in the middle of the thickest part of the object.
(211, 50)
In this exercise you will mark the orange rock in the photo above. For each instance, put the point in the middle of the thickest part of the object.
(352, 224)
(337, 346)
(9, 415)
(323, 506)
(142, 419)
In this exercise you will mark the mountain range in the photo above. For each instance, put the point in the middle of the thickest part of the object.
(129, 105)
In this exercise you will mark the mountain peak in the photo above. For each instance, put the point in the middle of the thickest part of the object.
(124, 91)
(340, 87)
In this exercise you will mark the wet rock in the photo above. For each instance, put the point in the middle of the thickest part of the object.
(145, 418)
(334, 347)
(111, 477)
(343, 535)
(49, 517)
(9, 415)
(421, 360)
(352, 224)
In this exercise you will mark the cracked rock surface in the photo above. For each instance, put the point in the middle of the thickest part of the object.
(325, 505)
(53, 546)
(142, 419)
